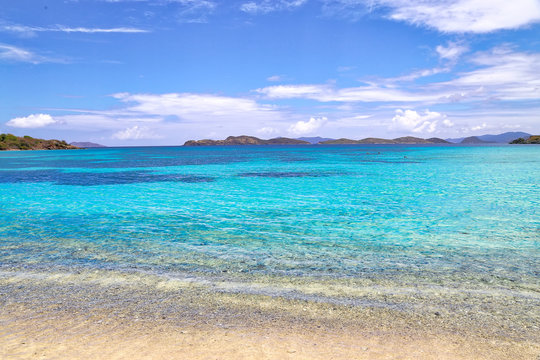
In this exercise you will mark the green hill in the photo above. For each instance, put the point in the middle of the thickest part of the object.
(12, 142)
(245, 140)
(533, 139)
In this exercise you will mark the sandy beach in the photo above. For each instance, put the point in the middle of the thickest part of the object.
(78, 317)
(55, 335)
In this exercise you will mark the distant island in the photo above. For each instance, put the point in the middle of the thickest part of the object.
(314, 139)
(12, 142)
(400, 140)
(252, 140)
(246, 140)
(475, 140)
(533, 139)
(86, 144)
(504, 138)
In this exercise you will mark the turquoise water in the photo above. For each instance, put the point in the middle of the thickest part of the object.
(401, 215)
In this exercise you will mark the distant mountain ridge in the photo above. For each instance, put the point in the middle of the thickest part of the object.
(475, 140)
(400, 140)
(246, 140)
(86, 144)
(314, 139)
(503, 138)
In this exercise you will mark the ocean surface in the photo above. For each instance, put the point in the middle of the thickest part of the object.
(312, 222)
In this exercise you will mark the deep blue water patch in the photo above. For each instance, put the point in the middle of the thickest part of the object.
(95, 178)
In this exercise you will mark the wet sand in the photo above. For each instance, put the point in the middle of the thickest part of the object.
(82, 318)
(50, 335)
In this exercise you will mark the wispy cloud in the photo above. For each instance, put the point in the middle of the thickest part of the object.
(29, 30)
(418, 74)
(501, 74)
(448, 57)
(329, 93)
(12, 53)
(267, 6)
(194, 107)
(189, 11)
(452, 51)
(450, 16)
(135, 133)
(275, 78)
(194, 11)
(498, 74)
(267, 131)
(479, 127)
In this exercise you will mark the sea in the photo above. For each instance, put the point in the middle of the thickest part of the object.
(398, 226)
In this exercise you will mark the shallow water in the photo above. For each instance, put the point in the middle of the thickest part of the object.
(321, 223)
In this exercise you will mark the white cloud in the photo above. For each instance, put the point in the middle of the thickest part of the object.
(327, 93)
(418, 74)
(502, 74)
(352, 121)
(194, 11)
(28, 30)
(448, 123)
(16, 54)
(417, 122)
(267, 130)
(306, 127)
(266, 6)
(452, 51)
(32, 121)
(250, 7)
(274, 78)
(498, 74)
(449, 54)
(343, 69)
(479, 127)
(450, 16)
(197, 107)
(461, 16)
(135, 133)
(185, 11)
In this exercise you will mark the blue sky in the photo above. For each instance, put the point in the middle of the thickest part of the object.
(160, 72)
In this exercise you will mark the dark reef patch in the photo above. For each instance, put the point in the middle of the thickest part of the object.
(96, 178)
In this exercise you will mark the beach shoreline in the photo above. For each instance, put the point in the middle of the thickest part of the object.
(56, 335)
(86, 319)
